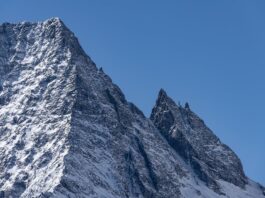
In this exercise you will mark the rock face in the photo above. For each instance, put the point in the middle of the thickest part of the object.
(195, 142)
(67, 131)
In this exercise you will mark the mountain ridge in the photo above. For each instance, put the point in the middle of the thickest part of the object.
(67, 131)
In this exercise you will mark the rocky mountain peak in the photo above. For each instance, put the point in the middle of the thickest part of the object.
(162, 94)
(163, 98)
(66, 130)
(197, 144)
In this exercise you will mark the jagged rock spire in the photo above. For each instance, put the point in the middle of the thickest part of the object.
(163, 97)
(162, 94)
(187, 106)
(196, 143)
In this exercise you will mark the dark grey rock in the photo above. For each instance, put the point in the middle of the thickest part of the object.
(195, 142)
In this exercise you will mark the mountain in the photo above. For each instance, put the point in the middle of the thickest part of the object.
(66, 130)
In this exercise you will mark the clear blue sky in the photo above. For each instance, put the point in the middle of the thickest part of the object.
(209, 53)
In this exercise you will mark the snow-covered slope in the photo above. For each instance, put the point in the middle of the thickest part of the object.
(67, 131)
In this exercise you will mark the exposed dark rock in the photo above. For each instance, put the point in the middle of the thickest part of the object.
(194, 141)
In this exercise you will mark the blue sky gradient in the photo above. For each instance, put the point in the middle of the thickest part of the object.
(209, 53)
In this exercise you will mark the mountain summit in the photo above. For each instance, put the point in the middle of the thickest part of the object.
(67, 131)
(187, 134)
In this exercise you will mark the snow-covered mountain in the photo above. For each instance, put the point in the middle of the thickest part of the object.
(67, 131)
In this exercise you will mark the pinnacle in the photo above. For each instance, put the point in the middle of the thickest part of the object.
(187, 106)
(162, 95)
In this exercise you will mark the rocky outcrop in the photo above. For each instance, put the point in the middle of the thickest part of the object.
(188, 135)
